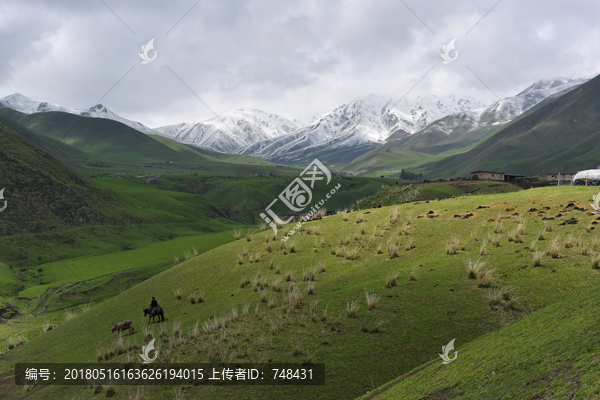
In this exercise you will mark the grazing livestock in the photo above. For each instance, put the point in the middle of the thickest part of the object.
(154, 312)
(121, 326)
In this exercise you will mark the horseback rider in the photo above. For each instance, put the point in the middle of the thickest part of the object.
(153, 304)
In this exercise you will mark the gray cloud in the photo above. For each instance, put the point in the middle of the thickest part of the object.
(298, 58)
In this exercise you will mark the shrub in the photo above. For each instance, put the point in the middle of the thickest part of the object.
(473, 267)
(372, 300)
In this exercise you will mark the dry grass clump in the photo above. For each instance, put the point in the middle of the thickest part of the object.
(537, 258)
(410, 244)
(175, 260)
(494, 240)
(177, 328)
(359, 218)
(345, 216)
(240, 259)
(289, 277)
(547, 227)
(413, 274)
(321, 266)
(473, 267)
(276, 285)
(147, 332)
(540, 235)
(187, 254)
(352, 307)
(237, 234)
(379, 248)
(483, 248)
(192, 298)
(109, 390)
(452, 246)
(292, 247)
(554, 247)
(249, 235)
(294, 298)
(392, 280)
(532, 245)
(69, 315)
(351, 254)
(595, 243)
(278, 270)
(268, 246)
(310, 288)
(503, 298)
(570, 241)
(393, 215)
(372, 300)
(262, 226)
(392, 250)
(178, 292)
(245, 310)
(244, 281)
(595, 260)
(520, 229)
(85, 307)
(498, 227)
(47, 326)
(485, 277)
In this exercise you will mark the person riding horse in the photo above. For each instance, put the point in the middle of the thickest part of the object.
(153, 304)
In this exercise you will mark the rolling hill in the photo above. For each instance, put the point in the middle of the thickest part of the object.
(347, 314)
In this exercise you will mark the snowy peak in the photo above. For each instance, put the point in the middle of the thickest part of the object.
(555, 85)
(230, 131)
(26, 105)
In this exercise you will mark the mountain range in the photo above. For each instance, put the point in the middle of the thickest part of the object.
(349, 135)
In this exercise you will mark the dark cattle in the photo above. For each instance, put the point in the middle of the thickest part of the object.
(121, 326)
(154, 312)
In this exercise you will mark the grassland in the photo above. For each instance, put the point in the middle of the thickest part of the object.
(361, 253)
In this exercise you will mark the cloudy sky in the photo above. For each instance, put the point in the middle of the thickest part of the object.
(297, 58)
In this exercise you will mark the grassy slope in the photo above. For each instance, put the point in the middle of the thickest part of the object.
(551, 354)
(410, 314)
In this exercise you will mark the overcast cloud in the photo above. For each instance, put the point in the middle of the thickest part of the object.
(297, 58)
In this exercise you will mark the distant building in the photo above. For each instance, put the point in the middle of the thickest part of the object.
(496, 176)
(564, 176)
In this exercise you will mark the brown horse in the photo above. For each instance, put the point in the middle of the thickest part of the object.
(154, 312)
(121, 326)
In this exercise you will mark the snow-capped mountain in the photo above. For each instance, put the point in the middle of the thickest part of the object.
(231, 131)
(366, 121)
(26, 105)
(501, 111)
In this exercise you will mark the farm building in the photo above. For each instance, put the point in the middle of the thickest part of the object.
(496, 176)
(563, 176)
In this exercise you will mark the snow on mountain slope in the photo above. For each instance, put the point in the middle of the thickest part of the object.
(365, 121)
(26, 105)
(503, 110)
(231, 131)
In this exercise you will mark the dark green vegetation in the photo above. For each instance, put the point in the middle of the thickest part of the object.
(558, 134)
(400, 194)
(363, 259)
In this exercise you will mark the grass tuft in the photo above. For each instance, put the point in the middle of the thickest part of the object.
(372, 300)
(473, 267)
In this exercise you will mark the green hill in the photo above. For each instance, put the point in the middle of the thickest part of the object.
(248, 315)
(550, 354)
(562, 135)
